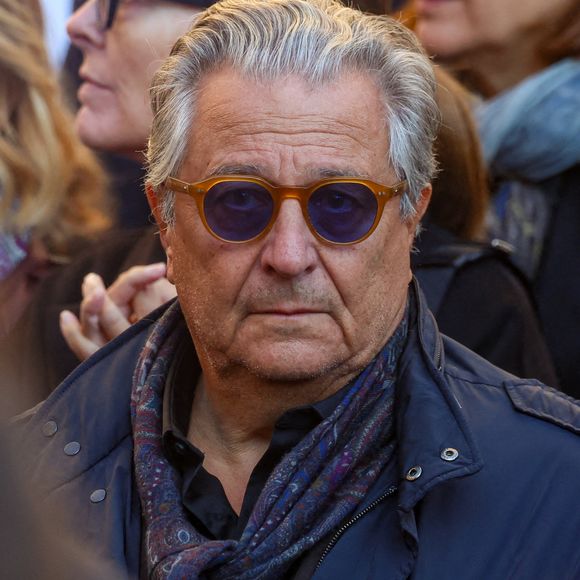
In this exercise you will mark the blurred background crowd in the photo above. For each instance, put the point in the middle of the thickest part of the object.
(79, 258)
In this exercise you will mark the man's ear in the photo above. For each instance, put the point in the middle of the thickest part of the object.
(420, 209)
(164, 230)
(423, 202)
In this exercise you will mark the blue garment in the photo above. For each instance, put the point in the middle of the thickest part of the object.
(533, 130)
(531, 134)
(14, 248)
(13, 251)
(485, 485)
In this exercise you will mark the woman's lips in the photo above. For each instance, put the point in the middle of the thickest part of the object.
(90, 86)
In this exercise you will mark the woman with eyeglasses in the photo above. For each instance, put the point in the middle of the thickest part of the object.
(523, 62)
(122, 43)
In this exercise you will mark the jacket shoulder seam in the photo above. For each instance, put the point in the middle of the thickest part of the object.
(477, 383)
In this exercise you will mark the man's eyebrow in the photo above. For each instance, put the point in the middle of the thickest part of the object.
(238, 169)
(329, 173)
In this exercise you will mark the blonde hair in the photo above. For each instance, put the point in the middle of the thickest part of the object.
(50, 184)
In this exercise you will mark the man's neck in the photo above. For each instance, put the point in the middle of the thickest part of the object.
(232, 422)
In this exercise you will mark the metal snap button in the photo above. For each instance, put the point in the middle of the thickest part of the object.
(72, 448)
(449, 454)
(98, 495)
(49, 428)
(180, 447)
(414, 473)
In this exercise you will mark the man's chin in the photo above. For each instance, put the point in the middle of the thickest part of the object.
(289, 368)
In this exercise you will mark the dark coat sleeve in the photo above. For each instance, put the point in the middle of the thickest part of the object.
(488, 309)
(557, 287)
(482, 301)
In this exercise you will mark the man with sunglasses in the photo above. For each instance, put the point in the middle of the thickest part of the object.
(295, 413)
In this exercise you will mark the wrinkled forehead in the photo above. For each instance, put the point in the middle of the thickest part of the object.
(287, 127)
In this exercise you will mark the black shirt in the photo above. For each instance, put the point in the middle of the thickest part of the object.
(202, 494)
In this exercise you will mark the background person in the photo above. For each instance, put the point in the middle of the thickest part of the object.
(52, 191)
(477, 296)
(123, 43)
(524, 64)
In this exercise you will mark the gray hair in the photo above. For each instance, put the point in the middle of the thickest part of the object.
(317, 40)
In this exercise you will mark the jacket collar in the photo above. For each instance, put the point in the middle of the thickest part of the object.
(431, 425)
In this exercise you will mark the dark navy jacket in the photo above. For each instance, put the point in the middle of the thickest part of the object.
(486, 484)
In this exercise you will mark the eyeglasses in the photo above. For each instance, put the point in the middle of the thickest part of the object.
(106, 9)
(238, 209)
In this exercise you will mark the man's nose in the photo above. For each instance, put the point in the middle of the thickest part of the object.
(290, 247)
(83, 26)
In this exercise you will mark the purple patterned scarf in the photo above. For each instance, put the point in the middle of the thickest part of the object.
(311, 491)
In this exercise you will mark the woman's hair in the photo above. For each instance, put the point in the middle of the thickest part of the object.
(317, 40)
(51, 185)
(460, 190)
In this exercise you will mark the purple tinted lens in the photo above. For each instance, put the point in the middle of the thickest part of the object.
(238, 211)
(342, 212)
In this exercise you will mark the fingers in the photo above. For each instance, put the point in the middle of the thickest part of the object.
(125, 288)
(152, 296)
(84, 336)
(112, 320)
(70, 327)
(107, 312)
(94, 294)
(101, 318)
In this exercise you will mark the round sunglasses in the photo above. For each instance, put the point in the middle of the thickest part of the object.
(238, 208)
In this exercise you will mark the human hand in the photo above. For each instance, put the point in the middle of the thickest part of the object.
(106, 312)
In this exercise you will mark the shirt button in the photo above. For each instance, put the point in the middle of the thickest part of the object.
(72, 448)
(449, 454)
(49, 428)
(98, 495)
(180, 447)
(414, 473)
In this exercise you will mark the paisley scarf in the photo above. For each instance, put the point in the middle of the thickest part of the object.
(312, 490)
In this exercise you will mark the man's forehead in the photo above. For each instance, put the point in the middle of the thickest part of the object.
(225, 95)
(284, 128)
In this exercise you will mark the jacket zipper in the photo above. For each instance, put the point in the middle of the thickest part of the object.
(352, 521)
